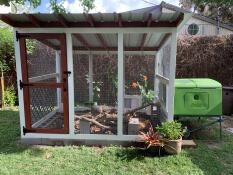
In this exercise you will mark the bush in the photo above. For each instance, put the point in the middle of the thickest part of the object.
(171, 130)
(10, 96)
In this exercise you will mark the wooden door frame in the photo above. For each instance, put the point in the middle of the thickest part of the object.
(26, 85)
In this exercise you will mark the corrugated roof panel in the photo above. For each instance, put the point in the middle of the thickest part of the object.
(111, 39)
(152, 39)
(132, 40)
(18, 18)
(92, 40)
(166, 16)
(103, 17)
(76, 42)
(46, 17)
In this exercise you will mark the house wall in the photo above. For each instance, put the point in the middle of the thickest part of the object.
(205, 28)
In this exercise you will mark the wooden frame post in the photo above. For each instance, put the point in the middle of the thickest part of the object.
(58, 78)
(120, 94)
(69, 46)
(90, 78)
(171, 88)
(156, 81)
(19, 77)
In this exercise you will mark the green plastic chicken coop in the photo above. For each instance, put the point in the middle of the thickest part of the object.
(198, 97)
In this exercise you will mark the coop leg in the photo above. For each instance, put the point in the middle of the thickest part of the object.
(220, 127)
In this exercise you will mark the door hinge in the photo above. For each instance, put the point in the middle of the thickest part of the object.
(17, 35)
(21, 84)
(25, 130)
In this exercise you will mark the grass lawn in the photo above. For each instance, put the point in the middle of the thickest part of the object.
(209, 158)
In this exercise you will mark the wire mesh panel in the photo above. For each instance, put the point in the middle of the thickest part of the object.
(164, 57)
(45, 99)
(139, 74)
(43, 107)
(105, 78)
(99, 115)
(41, 61)
(95, 84)
(81, 64)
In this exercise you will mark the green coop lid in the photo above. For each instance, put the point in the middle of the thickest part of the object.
(184, 83)
(197, 82)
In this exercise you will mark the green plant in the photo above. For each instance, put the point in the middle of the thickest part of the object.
(171, 130)
(97, 89)
(10, 96)
(147, 94)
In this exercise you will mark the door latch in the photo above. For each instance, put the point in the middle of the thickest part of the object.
(67, 72)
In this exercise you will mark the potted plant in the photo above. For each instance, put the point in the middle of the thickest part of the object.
(152, 138)
(172, 133)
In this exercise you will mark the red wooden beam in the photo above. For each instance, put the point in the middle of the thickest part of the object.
(7, 20)
(82, 40)
(149, 20)
(90, 19)
(57, 24)
(143, 41)
(33, 19)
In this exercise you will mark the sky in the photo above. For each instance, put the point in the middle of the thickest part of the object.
(103, 6)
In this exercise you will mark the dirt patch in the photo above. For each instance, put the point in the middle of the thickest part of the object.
(213, 144)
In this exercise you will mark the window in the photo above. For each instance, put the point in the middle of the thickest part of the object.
(193, 29)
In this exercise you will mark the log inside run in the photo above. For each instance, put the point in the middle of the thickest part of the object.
(85, 117)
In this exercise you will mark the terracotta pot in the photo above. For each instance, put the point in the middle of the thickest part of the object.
(173, 146)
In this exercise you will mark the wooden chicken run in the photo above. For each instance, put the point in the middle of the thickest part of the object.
(86, 77)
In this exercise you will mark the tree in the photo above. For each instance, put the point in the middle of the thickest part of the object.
(7, 61)
(210, 8)
(56, 5)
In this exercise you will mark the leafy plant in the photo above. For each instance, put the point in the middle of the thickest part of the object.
(10, 96)
(171, 130)
(114, 80)
(152, 138)
(57, 6)
(147, 94)
(97, 89)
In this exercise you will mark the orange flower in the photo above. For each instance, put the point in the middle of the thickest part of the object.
(134, 85)
(145, 77)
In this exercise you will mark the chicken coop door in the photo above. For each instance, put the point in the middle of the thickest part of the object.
(44, 82)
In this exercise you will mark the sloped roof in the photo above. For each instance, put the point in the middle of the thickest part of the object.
(163, 15)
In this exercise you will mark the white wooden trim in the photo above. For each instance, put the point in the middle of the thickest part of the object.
(42, 77)
(90, 78)
(163, 108)
(83, 137)
(19, 77)
(152, 53)
(98, 30)
(161, 78)
(187, 16)
(44, 119)
(58, 71)
(120, 94)
(70, 63)
(171, 89)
